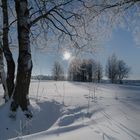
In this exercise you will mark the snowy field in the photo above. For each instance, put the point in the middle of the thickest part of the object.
(76, 111)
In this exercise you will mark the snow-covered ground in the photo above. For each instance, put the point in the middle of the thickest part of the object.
(76, 111)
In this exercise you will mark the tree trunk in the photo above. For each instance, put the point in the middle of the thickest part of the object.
(120, 81)
(7, 52)
(3, 76)
(24, 60)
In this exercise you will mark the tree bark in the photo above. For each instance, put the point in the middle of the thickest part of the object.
(3, 76)
(24, 60)
(7, 52)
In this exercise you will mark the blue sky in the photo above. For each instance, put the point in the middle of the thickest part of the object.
(121, 43)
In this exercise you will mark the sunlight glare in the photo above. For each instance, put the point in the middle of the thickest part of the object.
(66, 55)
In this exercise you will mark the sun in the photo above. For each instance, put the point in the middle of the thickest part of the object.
(66, 55)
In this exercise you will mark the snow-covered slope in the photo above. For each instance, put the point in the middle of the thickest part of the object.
(76, 111)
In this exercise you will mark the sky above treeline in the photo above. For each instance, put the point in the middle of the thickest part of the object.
(121, 43)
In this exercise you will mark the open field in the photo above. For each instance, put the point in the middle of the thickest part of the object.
(74, 110)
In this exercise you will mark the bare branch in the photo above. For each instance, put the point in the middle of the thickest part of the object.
(46, 14)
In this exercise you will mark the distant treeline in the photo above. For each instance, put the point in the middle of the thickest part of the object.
(90, 70)
(48, 77)
(42, 77)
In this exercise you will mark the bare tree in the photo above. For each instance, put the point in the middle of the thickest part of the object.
(112, 68)
(20, 95)
(94, 71)
(89, 70)
(123, 71)
(116, 69)
(57, 71)
(84, 70)
(74, 70)
(80, 70)
(7, 53)
(99, 71)
(3, 76)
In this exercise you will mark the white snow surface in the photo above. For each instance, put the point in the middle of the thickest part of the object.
(75, 111)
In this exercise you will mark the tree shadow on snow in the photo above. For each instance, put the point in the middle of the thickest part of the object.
(45, 116)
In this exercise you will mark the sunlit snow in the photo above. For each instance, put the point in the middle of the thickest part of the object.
(73, 111)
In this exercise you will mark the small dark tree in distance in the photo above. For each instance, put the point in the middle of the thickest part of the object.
(57, 71)
(111, 68)
(116, 70)
(123, 71)
(99, 72)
